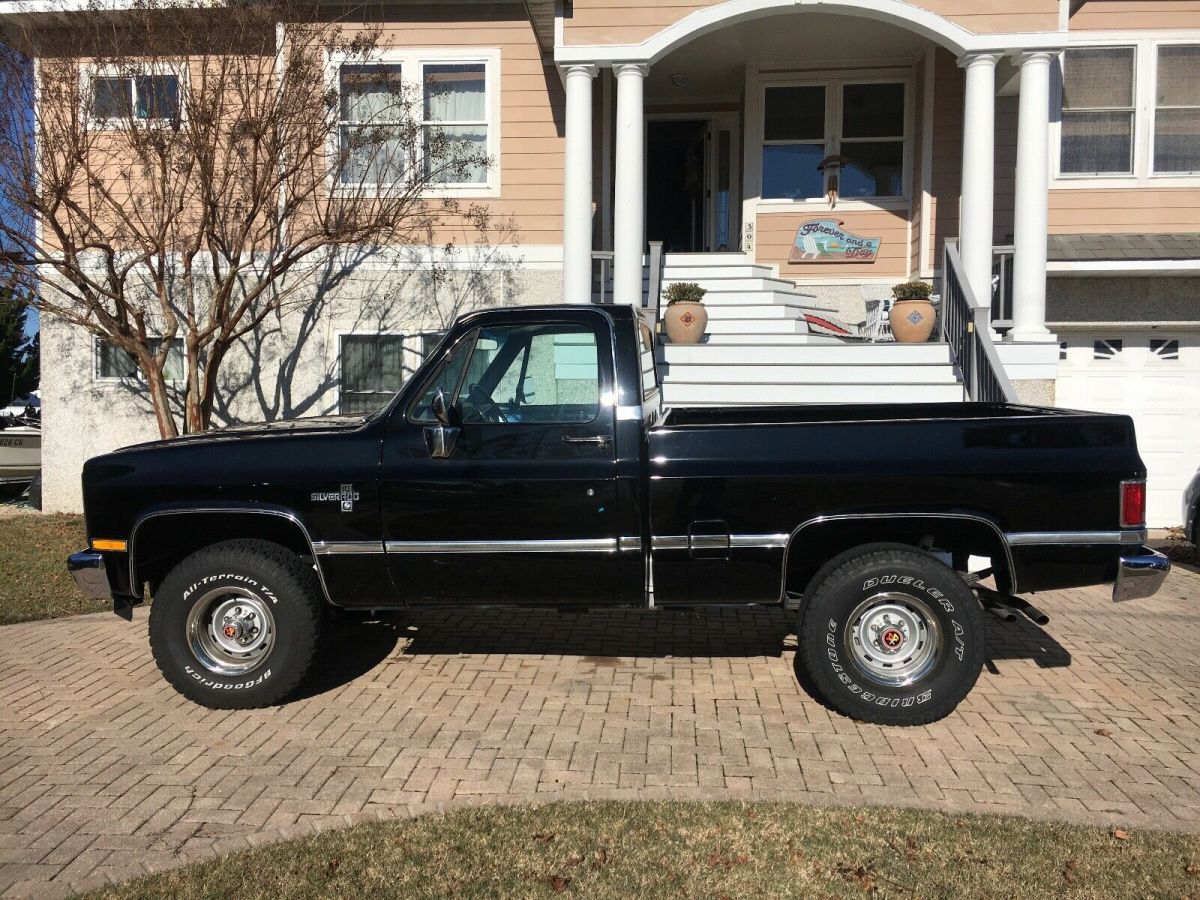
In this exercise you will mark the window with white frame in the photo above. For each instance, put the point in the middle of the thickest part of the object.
(864, 122)
(1177, 109)
(144, 96)
(420, 114)
(371, 126)
(372, 367)
(113, 363)
(1098, 111)
(455, 122)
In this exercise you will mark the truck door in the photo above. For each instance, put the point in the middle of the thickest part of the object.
(514, 501)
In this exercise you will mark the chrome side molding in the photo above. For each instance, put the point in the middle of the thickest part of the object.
(1133, 536)
(578, 545)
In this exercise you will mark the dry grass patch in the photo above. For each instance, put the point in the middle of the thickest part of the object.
(679, 849)
(34, 583)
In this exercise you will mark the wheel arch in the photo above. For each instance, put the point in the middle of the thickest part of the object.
(181, 531)
(818, 540)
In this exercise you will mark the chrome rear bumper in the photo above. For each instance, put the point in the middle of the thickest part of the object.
(87, 568)
(1140, 575)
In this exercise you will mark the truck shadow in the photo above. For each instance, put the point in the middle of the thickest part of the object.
(357, 644)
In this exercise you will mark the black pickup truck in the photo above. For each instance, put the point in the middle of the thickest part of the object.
(530, 462)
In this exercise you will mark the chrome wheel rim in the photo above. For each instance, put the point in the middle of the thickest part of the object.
(893, 638)
(230, 630)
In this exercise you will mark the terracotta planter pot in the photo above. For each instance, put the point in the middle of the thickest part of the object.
(685, 322)
(912, 321)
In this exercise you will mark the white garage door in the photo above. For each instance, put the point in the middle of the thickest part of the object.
(1155, 378)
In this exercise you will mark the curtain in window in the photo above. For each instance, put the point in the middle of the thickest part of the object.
(1177, 113)
(1097, 115)
(455, 97)
(372, 106)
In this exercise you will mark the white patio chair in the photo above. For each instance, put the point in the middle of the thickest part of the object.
(877, 298)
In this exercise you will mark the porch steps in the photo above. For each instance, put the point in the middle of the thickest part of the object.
(759, 350)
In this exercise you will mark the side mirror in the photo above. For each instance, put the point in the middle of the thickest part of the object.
(440, 408)
(442, 437)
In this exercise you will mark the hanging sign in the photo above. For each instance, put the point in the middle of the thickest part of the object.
(824, 240)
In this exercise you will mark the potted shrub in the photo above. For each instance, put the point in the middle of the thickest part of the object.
(912, 316)
(685, 318)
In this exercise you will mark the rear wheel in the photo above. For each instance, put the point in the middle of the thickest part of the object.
(892, 636)
(236, 625)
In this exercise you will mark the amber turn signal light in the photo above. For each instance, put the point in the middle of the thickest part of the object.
(103, 544)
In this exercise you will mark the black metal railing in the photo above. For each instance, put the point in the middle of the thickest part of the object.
(602, 271)
(966, 327)
(1002, 286)
(654, 279)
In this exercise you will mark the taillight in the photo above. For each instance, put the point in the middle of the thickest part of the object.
(1133, 504)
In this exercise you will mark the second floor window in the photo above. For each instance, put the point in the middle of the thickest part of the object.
(146, 97)
(1177, 109)
(371, 124)
(455, 127)
(1097, 111)
(414, 118)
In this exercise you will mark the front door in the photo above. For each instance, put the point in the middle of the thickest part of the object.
(523, 510)
(676, 184)
(691, 184)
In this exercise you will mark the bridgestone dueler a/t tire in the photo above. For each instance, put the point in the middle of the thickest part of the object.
(273, 573)
(838, 677)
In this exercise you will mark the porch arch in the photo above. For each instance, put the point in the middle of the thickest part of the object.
(896, 12)
(937, 28)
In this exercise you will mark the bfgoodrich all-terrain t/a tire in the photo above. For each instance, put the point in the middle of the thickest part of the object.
(890, 635)
(236, 625)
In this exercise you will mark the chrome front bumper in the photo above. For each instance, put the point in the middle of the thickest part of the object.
(1140, 575)
(87, 568)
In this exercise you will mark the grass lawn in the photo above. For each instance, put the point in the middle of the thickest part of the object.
(34, 583)
(677, 849)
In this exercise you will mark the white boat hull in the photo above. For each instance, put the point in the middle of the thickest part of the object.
(20, 454)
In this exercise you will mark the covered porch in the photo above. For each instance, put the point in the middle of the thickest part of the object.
(709, 137)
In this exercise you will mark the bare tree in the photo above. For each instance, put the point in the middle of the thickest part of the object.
(188, 170)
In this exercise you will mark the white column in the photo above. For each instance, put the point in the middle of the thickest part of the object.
(577, 186)
(978, 171)
(1029, 226)
(629, 226)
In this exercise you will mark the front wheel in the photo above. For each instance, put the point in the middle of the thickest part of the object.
(891, 636)
(235, 625)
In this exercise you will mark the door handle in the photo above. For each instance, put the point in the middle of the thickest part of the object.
(599, 440)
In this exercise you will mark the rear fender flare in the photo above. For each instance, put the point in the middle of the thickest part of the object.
(817, 521)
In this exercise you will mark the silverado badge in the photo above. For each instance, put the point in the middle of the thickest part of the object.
(346, 497)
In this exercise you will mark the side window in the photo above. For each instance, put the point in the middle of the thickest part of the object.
(545, 373)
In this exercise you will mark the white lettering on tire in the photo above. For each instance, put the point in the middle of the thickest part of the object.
(224, 686)
(240, 579)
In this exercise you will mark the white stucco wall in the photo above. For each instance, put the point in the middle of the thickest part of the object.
(288, 370)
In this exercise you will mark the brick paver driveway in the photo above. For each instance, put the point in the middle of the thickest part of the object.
(106, 772)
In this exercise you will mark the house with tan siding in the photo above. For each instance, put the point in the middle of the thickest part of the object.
(1037, 158)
